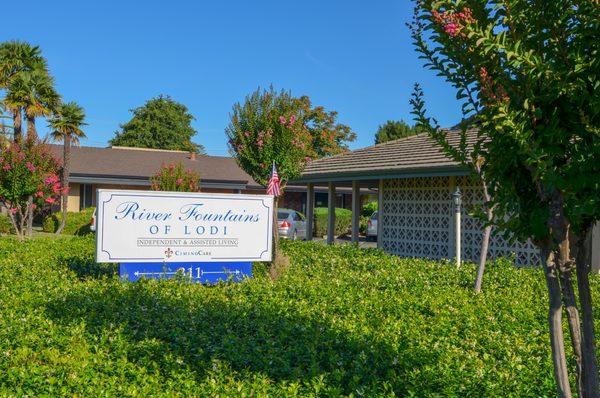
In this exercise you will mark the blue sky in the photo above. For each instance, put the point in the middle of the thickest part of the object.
(355, 57)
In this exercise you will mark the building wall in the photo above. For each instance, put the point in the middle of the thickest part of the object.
(418, 221)
(73, 200)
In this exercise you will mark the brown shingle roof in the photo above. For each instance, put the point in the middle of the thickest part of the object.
(416, 153)
(141, 164)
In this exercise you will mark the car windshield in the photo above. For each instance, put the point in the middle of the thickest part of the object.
(283, 215)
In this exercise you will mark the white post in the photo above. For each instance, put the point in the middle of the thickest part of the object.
(310, 210)
(355, 211)
(456, 196)
(331, 214)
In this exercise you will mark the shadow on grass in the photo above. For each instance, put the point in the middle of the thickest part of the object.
(250, 337)
(86, 267)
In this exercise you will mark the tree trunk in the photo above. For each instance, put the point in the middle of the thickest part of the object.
(30, 215)
(588, 344)
(570, 305)
(483, 257)
(17, 130)
(31, 131)
(65, 182)
(559, 360)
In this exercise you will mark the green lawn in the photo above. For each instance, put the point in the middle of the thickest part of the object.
(340, 321)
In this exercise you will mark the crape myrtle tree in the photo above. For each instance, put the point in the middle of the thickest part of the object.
(270, 128)
(173, 177)
(161, 123)
(28, 181)
(527, 74)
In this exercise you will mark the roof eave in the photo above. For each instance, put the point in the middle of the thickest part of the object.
(440, 171)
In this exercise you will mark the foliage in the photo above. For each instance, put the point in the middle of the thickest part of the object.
(338, 321)
(527, 75)
(343, 221)
(267, 129)
(68, 120)
(78, 223)
(363, 225)
(393, 130)
(328, 136)
(6, 226)
(161, 123)
(175, 178)
(28, 181)
(369, 208)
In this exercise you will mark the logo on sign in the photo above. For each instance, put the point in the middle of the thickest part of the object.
(168, 252)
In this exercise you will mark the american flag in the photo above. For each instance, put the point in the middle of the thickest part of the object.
(273, 187)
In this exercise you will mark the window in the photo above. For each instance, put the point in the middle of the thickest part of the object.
(86, 196)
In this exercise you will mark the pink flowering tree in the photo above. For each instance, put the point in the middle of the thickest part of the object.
(268, 129)
(527, 76)
(173, 177)
(28, 181)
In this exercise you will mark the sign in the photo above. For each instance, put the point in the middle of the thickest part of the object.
(196, 272)
(171, 227)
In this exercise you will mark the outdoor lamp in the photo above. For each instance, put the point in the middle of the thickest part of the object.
(457, 197)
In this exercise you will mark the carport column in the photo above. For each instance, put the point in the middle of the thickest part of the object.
(331, 214)
(310, 210)
(380, 215)
(355, 211)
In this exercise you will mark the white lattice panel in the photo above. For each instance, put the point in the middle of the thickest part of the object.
(417, 222)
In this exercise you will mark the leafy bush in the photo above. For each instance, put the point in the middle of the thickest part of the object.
(6, 226)
(343, 221)
(369, 208)
(78, 223)
(175, 178)
(338, 321)
(363, 225)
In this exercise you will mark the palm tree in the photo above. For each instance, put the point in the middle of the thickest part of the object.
(66, 126)
(17, 57)
(41, 98)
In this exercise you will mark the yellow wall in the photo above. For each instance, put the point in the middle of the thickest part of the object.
(73, 201)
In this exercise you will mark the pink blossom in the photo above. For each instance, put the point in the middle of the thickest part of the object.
(260, 143)
(451, 29)
(247, 134)
(33, 206)
(50, 200)
(179, 181)
(307, 159)
(21, 155)
(13, 210)
(39, 194)
(52, 179)
(282, 119)
(6, 167)
(30, 167)
(292, 119)
(56, 188)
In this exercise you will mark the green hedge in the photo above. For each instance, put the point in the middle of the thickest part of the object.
(369, 208)
(78, 223)
(343, 221)
(6, 226)
(339, 321)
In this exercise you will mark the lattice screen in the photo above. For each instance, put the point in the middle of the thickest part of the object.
(418, 222)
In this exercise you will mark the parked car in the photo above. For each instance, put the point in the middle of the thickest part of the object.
(93, 222)
(372, 227)
(292, 224)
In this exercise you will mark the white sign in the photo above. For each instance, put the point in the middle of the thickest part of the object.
(149, 226)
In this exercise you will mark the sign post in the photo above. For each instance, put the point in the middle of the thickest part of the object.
(199, 236)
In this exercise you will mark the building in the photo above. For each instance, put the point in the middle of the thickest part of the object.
(131, 168)
(415, 182)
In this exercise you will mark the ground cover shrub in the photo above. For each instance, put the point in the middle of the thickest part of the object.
(343, 221)
(78, 223)
(339, 321)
